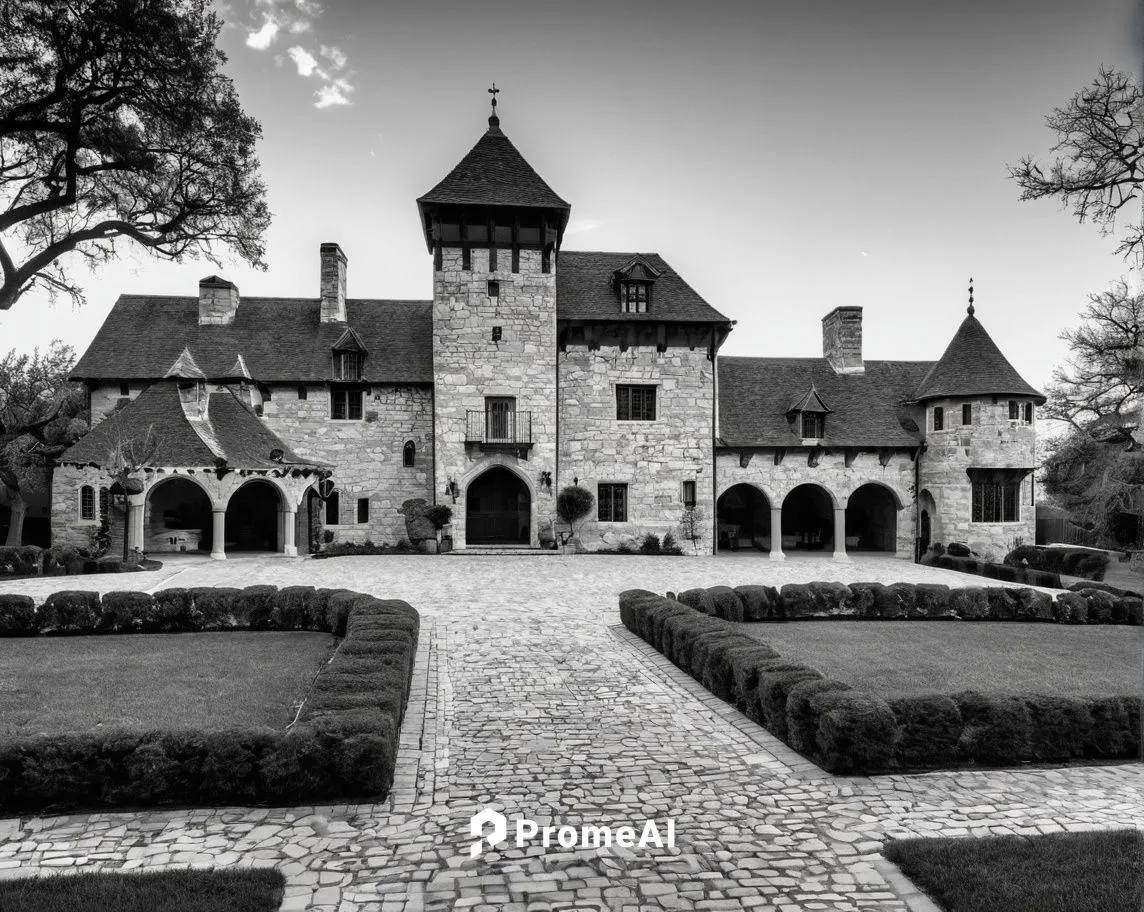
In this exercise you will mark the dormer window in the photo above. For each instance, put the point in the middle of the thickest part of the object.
(349, 354)
(813, 425)
(808, 415)
(634, 282)
(635, 296)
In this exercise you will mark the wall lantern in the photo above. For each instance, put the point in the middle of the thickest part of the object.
(451, 489)
(546, 480)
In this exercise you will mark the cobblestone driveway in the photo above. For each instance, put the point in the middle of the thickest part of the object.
(529, 699)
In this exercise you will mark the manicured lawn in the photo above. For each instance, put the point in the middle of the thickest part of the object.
(249, 890)
(184, 680)
(911, 657)
(1060, 872)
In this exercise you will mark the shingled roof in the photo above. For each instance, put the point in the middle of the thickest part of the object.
(868, 409)
(231, 432)
(585, 290)
(280, 340)
(973, 366)
(494, 173)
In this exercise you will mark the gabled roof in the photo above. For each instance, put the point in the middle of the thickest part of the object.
(238, 372)
(973, 366)
(494, 173)
(185, 367)
(350, 341)
(586, 290)
(281, 340)
(232, 432)
(637, 270)
(810, 402)
(869, 409)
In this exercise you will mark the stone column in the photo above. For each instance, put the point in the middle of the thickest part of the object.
(777, 534)
(289, 546)
(218, 534)
(840, 534)
(135, 506)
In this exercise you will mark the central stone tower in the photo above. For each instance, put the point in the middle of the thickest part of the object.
(494, 229)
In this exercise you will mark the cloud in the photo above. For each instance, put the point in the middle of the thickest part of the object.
(582, 226)
(335, 55)
(304, 60)
(264, 37)
(334, 94)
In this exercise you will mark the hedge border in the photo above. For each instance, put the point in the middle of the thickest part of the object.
(33, 562)
(848, 731)
(914, 601)
(342, 746)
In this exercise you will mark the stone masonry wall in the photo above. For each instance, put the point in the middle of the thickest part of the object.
(992, 441)
(367, 453)
(831, 473)
(106, 398)
(653, 458)
(468, 366)
(67, 527)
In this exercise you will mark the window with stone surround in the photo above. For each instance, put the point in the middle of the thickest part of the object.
(333, 509)
(996, 502)
(408, 454)
(87, 502)
(1028, 413)
(346, 404)
(689, 495)
(635, 403)
(938, 418)
(612, 502)
(363, 509)
(966, 413)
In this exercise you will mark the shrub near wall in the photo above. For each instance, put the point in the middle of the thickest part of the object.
(847, 731)
(342, 747)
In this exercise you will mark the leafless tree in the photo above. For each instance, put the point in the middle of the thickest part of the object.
(1099, 170)
(127, 457)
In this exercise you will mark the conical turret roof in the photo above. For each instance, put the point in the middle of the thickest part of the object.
(973, 366)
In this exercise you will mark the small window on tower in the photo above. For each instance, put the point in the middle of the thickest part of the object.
(967, 414)
(124, 388)
(363, 509)
(87, 502)
(689, 495)
(494, 289)
(301, 391)
(333, 509)
(408, 454)
(466, 258)
(1014, 410)
(1028, 413)
(938, 418)
(496, 333)
(546, 261)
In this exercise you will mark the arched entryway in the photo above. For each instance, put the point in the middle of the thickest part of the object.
(178, 517)
(252, 518)
(743, 518)
(929, 525)
(497, 509)
(872, 520)
(808, 519)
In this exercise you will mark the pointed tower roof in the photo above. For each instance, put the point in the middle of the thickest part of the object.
(973, 366)
(810, 402)
(494, 173)
(185, 368)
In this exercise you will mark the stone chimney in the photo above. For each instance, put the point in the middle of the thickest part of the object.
(842, 340)
(218, 301)
(333, 284)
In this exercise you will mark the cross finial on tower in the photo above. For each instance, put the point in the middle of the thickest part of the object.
(494, 121)
(969, 309)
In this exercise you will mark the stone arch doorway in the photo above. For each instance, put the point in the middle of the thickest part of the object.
(808, 519)
(178, 517)
(929, 524)
(743, 516)
(253, 518)
(498, 509)
(872, 520)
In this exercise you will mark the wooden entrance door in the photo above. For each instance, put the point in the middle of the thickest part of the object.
(497, 509)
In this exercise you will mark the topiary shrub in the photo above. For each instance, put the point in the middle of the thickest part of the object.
(1114, 728)
(1026, 556)
(291, 608)
(857, 732)
(650, 544)
(970, 603)
(70, 612)
(830, 599)
(1032, 605)
(796, 600)
(930, 727)
(254, 607)
(17, 617)
(215, 607)
(1059, 727)
(932, 600)
(699, 599)
(898, 600)
(174, 610)
(746, 663)
(728, 605)
(706, 665)
(127, 612)
(775, 681)
(23, 560)
(1092, 567)
(863, 601)
(996, 731)
(760, 603)
(670, 545)
(1070, 608)
(1002, 603)
(574, 503)
(958, 549)
(801, 718)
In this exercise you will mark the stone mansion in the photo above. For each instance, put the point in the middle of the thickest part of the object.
(277, 423)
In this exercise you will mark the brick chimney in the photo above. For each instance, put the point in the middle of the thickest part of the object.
(218, 301)
(333, 284)
(842, 340)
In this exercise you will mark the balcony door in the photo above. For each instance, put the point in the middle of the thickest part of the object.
(500, 419)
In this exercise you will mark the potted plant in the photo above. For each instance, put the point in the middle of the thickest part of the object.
(440, 516)
(573, 504)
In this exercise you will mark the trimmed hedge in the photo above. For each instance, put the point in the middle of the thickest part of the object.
(343, 745)
(1009, 573)
(61, 560)
(908, 601)
(847, 731)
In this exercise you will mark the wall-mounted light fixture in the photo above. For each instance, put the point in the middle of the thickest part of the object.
(451, 489)
(546, 480)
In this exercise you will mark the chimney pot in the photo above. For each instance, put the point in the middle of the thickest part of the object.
(333, 283)
(842, 340)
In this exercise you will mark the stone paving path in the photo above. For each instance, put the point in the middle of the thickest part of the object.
(530, 699)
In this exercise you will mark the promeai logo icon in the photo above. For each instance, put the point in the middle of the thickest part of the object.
(490, 828)
(487, 817)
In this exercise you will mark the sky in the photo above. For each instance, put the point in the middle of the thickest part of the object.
(784, 157)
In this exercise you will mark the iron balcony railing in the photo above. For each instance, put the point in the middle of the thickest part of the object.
(499, 426)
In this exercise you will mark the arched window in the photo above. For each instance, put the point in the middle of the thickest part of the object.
(408, 453)
(333, 509)
(87, 502)
(104, 501)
